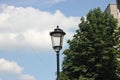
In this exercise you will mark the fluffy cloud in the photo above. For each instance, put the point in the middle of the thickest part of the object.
(28, 28)
(9, 67)
(13, 71)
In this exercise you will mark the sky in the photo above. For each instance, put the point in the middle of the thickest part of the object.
(25, 46)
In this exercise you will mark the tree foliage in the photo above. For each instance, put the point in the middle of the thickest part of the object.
(92, 53)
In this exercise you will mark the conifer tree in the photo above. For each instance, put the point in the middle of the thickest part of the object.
(92, 53)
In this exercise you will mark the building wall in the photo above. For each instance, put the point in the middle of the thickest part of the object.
(118, 7)
(113, 9)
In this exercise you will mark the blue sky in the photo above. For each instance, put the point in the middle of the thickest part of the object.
(25, 46)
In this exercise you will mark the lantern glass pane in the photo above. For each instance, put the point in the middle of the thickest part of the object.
(55, 41)
(61, 43)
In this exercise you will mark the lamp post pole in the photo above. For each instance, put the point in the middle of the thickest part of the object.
(57, 40)
(58, 67)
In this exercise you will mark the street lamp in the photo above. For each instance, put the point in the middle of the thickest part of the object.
(57, 40)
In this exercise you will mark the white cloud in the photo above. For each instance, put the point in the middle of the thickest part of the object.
(28, 28)
(13, 71)
(9, 67)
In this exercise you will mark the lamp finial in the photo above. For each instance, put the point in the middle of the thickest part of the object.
(57, 26)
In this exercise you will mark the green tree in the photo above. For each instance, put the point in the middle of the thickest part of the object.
(92, 53)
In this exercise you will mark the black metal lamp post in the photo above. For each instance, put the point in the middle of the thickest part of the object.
(57, 40)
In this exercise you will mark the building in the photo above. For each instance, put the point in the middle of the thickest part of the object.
(115, 10)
